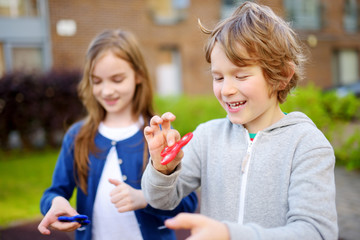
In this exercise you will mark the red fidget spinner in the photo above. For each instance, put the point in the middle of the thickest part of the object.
(169, 153)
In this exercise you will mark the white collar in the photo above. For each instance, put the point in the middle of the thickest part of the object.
(118, 134)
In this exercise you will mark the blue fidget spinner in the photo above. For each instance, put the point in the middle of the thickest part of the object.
(82, 219)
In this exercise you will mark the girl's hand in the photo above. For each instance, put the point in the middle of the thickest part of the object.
(60, 207)
(158, 139)
(201, 227)
(125, 198)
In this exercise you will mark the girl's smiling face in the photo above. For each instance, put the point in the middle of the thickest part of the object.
(114, 82)
(243, 92)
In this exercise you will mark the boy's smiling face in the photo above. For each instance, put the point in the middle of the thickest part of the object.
(243, 92)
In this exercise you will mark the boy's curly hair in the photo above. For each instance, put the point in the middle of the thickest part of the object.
(269, 41)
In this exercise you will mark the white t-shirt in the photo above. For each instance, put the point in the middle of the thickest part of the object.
(107, 222)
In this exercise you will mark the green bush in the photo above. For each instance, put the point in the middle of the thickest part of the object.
(342, 108)
(349, 152)
(309, 101)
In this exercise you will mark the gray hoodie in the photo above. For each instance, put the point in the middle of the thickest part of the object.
(280, 186)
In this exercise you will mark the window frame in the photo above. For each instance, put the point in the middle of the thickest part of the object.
(351, 16)
(337, 69)
(300, 20)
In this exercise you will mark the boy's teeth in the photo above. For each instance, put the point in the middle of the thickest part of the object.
(236, 105)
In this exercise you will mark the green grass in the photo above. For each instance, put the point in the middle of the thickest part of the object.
(23, 178)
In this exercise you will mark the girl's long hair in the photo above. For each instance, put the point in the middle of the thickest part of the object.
(124, 45)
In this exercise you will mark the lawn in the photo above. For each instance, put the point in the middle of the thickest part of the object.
(23, 178)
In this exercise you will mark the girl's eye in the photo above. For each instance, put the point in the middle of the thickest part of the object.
(118, 79)
(95, 80)
(217, 78)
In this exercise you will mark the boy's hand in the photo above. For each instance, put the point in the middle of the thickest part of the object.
(125, 198)
(201, 227)
(158, 139)
(60, 207)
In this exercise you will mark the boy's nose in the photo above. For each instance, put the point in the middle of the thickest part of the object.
(228, 87)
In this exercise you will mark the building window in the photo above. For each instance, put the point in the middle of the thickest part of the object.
(25, 44)
(350, 19)
(168, 72)
(345, 67)
(168, 12)
(27, 59)
(229, 6)
(18, 8)
(304, 14)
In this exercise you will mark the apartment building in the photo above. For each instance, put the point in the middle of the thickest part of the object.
(42, 35)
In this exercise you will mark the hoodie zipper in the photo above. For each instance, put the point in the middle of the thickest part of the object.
(244, 170)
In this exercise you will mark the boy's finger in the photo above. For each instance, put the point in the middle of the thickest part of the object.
(155, 123)
(148, 133)
(172, 136)
(167, 118)
(183, 221)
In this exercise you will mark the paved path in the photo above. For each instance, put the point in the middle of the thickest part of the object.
(348, 203)
(348, 206)
(29, 232)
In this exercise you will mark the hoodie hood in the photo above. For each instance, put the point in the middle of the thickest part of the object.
(289, 120)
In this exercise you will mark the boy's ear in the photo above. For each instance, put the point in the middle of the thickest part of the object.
(290, 74)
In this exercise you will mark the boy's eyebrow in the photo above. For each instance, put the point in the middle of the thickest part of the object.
(234, 69)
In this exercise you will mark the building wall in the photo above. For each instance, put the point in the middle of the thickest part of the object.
(330, 38)
(92, 16)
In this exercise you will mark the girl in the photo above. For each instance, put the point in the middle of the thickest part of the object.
(104, 155)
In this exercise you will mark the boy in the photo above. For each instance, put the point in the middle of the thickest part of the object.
(280, 185)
